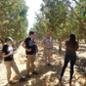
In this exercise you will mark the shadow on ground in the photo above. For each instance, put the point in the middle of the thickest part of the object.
(48, 75)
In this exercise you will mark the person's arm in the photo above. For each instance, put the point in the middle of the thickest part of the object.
(11, 53)
(24, 46)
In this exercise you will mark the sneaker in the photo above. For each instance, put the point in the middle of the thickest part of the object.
(70, 83)
(22, 79)
(12, 82)
(48, 64)
(35, 73)
(6, 84)
(28, 76)
(60, 79)
(9, 83)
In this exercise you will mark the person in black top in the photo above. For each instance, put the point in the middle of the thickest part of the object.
(31, 49)
(9, 60)
(70, 55)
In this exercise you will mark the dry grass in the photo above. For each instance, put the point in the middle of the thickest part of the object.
(48, 76)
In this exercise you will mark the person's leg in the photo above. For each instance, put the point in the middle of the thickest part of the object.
(32, 63)
(45, 56)
(8, 69)
(15, 68)
(49, 56)
(28, 65)
(72, 63)
(0, 57)
(33, 67)
(64, 67)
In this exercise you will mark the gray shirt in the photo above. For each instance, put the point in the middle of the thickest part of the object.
(48, 42)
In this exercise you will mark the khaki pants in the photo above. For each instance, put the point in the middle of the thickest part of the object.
(47, 54)
(30, 63)
(1, 57)
(9, 65)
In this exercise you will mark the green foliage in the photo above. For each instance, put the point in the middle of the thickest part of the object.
(53, 17)
(83, 9)
(81, 12)
(60, 17)
(13, 20)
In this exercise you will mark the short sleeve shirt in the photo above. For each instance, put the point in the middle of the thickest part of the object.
(6, 50)
(48, 42)
(30, 44)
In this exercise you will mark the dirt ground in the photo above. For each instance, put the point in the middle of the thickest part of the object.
(48, 75)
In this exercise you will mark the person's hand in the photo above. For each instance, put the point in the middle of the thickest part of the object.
(3, 56)
(28, 50)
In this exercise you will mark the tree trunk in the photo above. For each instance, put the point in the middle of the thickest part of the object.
(60, 45)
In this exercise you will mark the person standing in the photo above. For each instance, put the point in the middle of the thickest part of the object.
(9, 61)
(31, 49)
(70, 56)
(47, 44)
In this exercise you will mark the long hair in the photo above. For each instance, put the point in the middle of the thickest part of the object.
(72, 38)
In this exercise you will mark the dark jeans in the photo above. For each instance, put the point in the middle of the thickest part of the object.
(72, 59)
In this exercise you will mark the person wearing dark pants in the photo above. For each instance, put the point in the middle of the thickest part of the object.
(70, 56)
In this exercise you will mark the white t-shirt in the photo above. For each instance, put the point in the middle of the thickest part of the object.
(10, 48)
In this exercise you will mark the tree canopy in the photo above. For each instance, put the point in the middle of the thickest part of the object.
(13, 20)
(62, 18)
